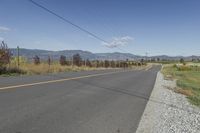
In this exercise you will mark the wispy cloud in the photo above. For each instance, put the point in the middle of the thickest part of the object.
(4, 29)
(118, 41)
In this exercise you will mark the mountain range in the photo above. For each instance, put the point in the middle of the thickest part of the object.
(44, 54)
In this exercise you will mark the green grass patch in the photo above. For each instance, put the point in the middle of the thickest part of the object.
(11, 71)
(188, 79)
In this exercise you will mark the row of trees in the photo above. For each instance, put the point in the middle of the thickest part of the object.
(5, 58)
(78, 61)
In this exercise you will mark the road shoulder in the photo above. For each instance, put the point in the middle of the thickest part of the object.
(167, 111)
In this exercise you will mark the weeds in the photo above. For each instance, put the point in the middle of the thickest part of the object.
(188, 80)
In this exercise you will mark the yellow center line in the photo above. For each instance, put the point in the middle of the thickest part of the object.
(58, 80)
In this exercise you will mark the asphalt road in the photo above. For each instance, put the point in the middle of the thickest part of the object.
(107, 101)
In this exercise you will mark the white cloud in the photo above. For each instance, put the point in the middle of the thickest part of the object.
(1, 38)
(4, 29)
(118, 41)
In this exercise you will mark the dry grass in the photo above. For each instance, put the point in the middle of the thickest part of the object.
(187, 92)
(54, 68)
(43, 68)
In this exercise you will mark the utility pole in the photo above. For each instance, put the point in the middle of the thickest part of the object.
(146, 56)
(18, 57)
(72, 60)
(49, 61)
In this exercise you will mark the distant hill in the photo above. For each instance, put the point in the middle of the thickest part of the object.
(43, 54)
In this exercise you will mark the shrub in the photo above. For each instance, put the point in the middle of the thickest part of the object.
(184, 68)
(36, 60)
(77, 60)
(62, 60)
(112, 63)
(182, 61)
(5, 54)
(88, 63)
(14, 70)
(107, 64)
(175, 66)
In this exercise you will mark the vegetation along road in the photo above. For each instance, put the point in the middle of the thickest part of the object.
(104, 101)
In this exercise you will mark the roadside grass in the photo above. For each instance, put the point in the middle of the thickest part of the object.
(43, 68)
(11, 71)
(188, 80)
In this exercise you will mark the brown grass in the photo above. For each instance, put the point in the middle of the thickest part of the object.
(184, 92)
(43, 68)
(54, 68)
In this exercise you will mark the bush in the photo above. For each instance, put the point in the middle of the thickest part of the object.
(88, 63)
(106, 63)
(184, 68)
(77, 60)
(36, 60)
(174, 66)
(5, 54)
(2, 70)
(112, 64)
(62, 60)
(14, 70)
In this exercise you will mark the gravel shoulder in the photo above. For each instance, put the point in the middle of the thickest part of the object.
(168, 112)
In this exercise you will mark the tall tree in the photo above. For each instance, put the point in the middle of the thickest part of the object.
(182, 60)
(36, 60)
(88, 63)
(107, 64)
(112, 63)
(77, 60)
(49, 61)
(5, 54)
(62, 60)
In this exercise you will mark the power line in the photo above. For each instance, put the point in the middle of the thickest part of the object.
(71, 23)
(68, 21)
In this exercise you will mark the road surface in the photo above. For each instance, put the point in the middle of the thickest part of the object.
(106, 101)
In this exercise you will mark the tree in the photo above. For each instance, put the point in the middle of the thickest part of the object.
(182, 61)
(101, 64)
(112, 63)
(5, 54)
(36, 60)
(77, 60)
(98, 63)
(88, 63)
(62, 60)
(107, 63)
(49, 61)
(67, 62)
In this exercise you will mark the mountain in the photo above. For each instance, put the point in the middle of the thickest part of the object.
(43, 54)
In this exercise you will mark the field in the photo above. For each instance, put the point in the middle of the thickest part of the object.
(187, 80)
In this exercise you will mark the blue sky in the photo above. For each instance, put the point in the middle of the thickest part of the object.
(170, 27)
